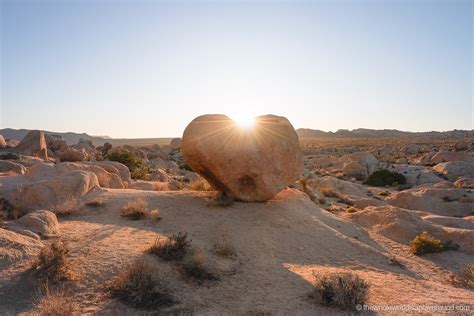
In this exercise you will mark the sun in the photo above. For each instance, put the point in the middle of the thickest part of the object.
(243, 121)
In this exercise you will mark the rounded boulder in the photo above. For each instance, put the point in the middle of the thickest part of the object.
(251, 164)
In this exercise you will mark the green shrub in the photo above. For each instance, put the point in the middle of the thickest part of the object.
(384, 177)
(137, 169)
(345, 290)
(425, 243)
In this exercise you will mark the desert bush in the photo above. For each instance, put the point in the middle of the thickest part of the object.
(384, 193)
(135, 209)
(137, 169)
(9, 156)
(56, 304)
(465, 276)
(10, 211)
(328, 192)
(155, 215)
(141, 285)
(200, 185)
(51, 262)
(220, 200)
(185, 166)
(345, 290)
(173, 248)
(425, 243)
(224, 249)
(384, 177)
(195, 268)
(351, 209)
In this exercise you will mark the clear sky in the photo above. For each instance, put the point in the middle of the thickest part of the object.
(147, 68)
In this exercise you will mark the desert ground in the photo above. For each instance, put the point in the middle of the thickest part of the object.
(263, 256)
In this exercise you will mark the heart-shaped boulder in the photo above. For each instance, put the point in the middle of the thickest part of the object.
(251, 164)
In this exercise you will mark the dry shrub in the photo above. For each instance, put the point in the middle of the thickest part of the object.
(155, 215)
(224, 249)
(345, 290)
(173, 248)
(194, 267)
(220, 200)
(464, 277)
(200, 185)
(141, 285)
(328, 192)
(135, 210)
(351, 209)
(55, 303)
(425, 243)
(51, 262)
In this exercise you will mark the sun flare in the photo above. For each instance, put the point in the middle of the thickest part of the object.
(243, 121)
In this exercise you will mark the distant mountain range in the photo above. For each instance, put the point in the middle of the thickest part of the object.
(364, 133)
(73, 138)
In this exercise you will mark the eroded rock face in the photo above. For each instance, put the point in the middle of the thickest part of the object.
(10, 166)
(455, 169)
(33, 144)
(253, 164)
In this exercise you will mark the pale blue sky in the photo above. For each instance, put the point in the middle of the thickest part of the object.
(147, 68)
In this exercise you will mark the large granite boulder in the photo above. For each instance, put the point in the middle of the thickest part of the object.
(250, 164)
(33, 144)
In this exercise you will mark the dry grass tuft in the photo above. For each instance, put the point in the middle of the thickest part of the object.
(425, 243)
(51, 262)
(195, 268)
(135, 210)
(200, 185)
(141, 285)
(224, 249)
(56, 304)
(345, 290)
(155, 215)
(173, 248)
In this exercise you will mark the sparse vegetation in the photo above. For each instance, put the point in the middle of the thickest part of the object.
(51, 262)
(384, 177)
(425, 243)
(155, 215)
(137, 169)
(220, 200)
(351, 209)
(200, 185)
(384, 193)
(195, 268)
(141, 285)
(135, 209)
(465, 276)
(224, 249)
(10, 211)
(173, 248)
(56, 304)
(344, 290)
(185, 166)
(328, 192)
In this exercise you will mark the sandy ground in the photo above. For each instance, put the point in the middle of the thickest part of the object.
(279, 245)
